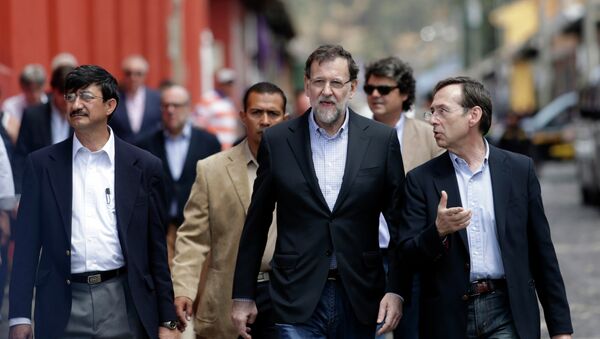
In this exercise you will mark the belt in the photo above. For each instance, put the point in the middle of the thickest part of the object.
(96, 277)
(262, 277)
(333, 275)
(479, 287)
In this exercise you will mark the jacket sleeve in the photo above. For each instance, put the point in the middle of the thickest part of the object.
(193, 239)
(544, 263)
(256, 228)
(27, 246)
(157, 247)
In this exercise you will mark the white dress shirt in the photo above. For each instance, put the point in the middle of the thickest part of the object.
(135, 108)
(384, 233)
(7, 188)
(177, 148)
(476, 194)
(95, 242)
(15, 105)
(59, 126)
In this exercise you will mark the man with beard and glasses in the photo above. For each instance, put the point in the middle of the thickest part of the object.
(330, 173)
(90, 236)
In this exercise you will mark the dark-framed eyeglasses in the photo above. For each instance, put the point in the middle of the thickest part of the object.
(84, 96)
(383, 90)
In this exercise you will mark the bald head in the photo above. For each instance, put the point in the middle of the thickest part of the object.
(175, 108)
(135, 68)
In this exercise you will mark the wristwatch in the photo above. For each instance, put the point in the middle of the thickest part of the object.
(169, 324)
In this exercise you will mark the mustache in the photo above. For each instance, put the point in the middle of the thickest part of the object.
(78, 112)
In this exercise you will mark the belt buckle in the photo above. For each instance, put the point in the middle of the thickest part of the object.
(94, 279)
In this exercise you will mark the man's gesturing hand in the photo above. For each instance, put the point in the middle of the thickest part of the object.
(243, 313)
(450, 220)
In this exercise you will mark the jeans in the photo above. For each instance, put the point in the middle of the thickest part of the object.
(333, 318)
(489, 316)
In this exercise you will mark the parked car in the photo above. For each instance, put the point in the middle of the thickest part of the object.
(552, 129)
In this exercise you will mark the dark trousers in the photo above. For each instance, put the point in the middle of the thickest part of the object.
(408, 327)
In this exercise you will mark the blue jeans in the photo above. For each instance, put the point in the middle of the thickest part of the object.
(489, 316)
(333, 318)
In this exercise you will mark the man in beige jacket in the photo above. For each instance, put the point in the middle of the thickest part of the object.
(208, 240)
(390, 89)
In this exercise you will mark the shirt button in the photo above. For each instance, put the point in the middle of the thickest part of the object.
(68, 253)
(328, 253)
(467, 266)
(465, 297)
(68, 282)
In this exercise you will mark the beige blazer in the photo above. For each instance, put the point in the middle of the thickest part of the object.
(214, 218)
(418, 144)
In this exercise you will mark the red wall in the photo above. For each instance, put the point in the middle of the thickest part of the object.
(101, 32)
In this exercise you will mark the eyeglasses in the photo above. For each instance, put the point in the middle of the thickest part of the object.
(129, 73)
(383, 90)
(166, 105)
(335, 84)
(440, 113)
(84, 96)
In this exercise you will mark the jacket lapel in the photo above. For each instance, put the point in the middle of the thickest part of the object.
(445, 180)
(358, 143)
(237, 171)
(299, 141)
(127, 184)
(60, 171)
(500, 175)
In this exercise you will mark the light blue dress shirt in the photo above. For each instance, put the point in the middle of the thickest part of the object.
(329, 158)
(476, 194)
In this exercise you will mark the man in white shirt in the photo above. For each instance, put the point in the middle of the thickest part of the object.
(93, 206)
(31, 81)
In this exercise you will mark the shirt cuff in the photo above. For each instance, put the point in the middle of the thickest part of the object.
(248, 300)
(398, 295)
(18, 321)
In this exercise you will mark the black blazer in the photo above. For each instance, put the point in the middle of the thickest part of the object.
(44, 224)
(202, 144)
(308, 232)
(35, 133)
(150, 121)
(528, 255)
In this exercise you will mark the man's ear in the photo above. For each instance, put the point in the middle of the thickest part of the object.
(286, 116)
(111, 106)
(475, 115)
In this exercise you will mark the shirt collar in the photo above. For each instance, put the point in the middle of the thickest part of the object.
(456, 160)
(248, 154)
(400, 123)
(315, 129)
(186, 132)
(108, 148)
